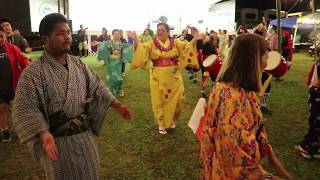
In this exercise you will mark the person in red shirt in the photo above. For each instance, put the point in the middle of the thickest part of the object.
(12, 62)
(310, 146)
(287, 45)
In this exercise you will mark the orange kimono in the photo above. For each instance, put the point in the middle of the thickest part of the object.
(230, 148)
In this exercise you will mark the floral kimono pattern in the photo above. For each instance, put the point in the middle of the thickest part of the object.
(114, 53)
(232, 143)
(167, 91)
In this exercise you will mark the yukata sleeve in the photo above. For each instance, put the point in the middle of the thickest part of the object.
(264, 145)
(28, 117)
(188, 55)
(102, 99)
(141, 57)
(24, 43)
(23, 61)
(127, 53)
(103, 53)
(140, 38)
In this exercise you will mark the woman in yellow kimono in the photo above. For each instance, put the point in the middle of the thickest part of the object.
(233, 139)
(165, 56)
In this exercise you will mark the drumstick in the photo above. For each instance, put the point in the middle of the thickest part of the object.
(265, 85)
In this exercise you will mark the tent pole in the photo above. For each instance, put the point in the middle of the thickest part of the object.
(278, 6)
(295, 34)
(315, 28)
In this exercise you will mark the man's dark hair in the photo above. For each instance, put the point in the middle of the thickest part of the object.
(5, 20)
(48, 23)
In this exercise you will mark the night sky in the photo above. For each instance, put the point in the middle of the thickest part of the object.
(303, 5)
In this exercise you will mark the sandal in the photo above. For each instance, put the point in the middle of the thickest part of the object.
(163, 131)
(173, 125)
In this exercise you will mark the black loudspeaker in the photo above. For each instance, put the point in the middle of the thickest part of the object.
(70, 24)
(74, 45)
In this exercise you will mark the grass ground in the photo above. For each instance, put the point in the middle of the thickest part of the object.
(134, 150)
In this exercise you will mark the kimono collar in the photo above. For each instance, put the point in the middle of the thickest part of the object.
(166, 46)
(53, 60)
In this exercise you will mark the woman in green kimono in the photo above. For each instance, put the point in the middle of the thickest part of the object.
(115, 52)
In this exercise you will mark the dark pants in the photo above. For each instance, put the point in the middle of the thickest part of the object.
(311, 142)
(123, 67)
(6, 96)
(286, 54)
(265, 76)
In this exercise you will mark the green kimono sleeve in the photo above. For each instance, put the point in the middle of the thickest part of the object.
(127, 53)
(103, 51)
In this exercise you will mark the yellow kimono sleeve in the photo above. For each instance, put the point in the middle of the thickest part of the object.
(141, 55)
(187, 54)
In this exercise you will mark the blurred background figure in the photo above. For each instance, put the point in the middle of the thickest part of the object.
(145, 36)
(83, 41)
(15, 38)
(104, 36)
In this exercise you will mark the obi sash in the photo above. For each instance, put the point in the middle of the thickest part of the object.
(165, 62)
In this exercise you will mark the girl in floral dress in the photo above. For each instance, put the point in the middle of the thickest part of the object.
(233, 139)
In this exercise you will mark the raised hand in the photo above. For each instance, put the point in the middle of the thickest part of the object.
(132, 35)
